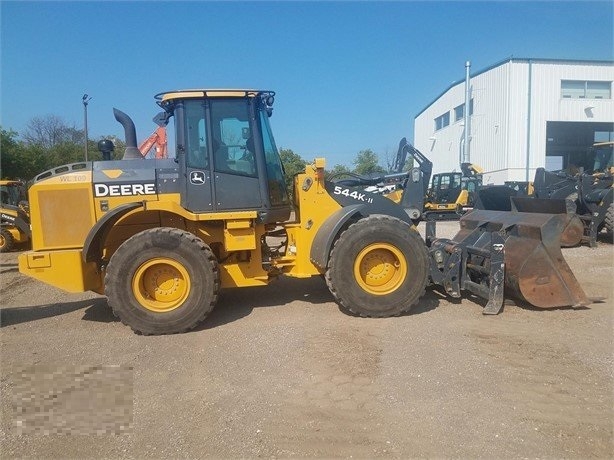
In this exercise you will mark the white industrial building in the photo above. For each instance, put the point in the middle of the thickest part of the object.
(524, 114)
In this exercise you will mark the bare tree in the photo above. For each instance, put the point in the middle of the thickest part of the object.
(49, 131)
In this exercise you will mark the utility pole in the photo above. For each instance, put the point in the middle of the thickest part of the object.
(85, 99)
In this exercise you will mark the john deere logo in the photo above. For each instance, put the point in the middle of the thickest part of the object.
(197, 178)
(124, 189)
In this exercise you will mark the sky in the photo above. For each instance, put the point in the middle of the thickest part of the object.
(348, 76)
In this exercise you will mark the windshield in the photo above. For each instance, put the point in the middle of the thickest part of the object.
(278, 194)
(11, 194)
(603, 158)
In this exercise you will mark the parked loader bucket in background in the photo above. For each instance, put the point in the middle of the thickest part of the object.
(535, 270)
(503, 198)
(574, 228)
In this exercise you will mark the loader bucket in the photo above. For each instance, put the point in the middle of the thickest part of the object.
(535, 270)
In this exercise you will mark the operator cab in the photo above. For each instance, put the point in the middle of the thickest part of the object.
(12, 193)
(602, 156)
(446, 187)
(227, 157)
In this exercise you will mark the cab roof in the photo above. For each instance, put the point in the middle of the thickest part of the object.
(204, 93)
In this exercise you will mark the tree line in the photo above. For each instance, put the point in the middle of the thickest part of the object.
(48, 142)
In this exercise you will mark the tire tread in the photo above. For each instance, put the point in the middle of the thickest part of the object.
(361, 226)
(112, 275)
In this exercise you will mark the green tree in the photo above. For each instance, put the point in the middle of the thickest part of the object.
(391, 160)
(409, 163)
(338, 171)
(293, 164)
(47, 143)
(366, 163)
(10, 149)
(20, 161)
(34, 160)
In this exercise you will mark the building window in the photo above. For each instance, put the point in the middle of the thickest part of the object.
(580, 89)
(442, 121)
(598, 89)
(459, 111)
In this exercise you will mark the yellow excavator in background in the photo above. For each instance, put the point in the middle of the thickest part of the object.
(452, 194)
(161, 238)
(14, 215)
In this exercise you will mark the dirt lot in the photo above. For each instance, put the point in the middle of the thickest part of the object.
(281, 372)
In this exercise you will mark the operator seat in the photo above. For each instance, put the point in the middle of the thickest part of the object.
(220, 156)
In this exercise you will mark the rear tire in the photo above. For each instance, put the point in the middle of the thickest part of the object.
(7, 242)
(609, 221)
(378, 267)
(162, 281)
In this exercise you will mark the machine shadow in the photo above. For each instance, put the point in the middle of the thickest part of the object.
(517, 303)
(235, 304)
(19, 315)
(8, 268)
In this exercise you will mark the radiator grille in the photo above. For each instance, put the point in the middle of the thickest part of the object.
(66, 217)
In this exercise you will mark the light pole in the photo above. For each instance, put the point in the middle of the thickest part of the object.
(86, 99)
(467, 115)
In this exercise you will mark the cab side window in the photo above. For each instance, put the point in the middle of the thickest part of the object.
(196, 136)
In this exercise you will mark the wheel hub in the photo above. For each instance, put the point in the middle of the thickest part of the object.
(380, 268)
(163, 281)
(161, 285)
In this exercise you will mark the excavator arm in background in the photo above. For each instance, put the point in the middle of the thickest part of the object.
(157, 138)
(424, 164)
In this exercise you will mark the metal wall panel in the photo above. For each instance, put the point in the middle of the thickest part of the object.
(511, 111)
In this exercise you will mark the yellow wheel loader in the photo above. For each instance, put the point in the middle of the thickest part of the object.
(161, 237)
(14, 215)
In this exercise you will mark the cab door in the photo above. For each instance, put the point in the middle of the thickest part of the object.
(192, 143)
(235, 170)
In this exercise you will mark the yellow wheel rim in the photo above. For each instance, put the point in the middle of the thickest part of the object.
(2, 241)
(161, 284)
(380, 268)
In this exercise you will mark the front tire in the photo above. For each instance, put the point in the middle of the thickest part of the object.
(378, 267)
(162, 281)
(7, 242)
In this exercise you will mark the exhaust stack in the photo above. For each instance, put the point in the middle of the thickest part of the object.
(132, 151)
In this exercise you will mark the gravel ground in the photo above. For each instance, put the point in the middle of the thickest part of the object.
(281, 372)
